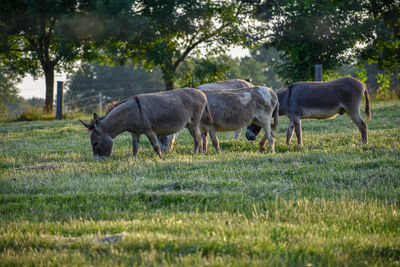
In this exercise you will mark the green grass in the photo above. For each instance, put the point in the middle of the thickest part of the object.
(333, 201)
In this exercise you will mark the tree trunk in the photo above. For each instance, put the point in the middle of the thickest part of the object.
(168, 77)
(169, 85)
(49, 76)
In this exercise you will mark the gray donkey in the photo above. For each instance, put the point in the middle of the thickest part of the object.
(320, 100)
(167, 142)
(150, 114)
(233, 109)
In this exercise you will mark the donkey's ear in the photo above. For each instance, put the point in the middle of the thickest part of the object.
(96, 121)
(84, 124)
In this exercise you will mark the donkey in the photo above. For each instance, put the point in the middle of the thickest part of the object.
(228, 84)
(320, 100)
(167, 142)
(150, 114)
(233, 109)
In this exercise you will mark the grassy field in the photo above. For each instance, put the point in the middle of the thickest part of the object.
(333, 201)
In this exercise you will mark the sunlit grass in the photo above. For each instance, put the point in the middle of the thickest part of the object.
(333, 201)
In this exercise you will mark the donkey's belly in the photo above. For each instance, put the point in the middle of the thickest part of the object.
(320, 113)
(168, 127)
(164, 131)
(228, 127)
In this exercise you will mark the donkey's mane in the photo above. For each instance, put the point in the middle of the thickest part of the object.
(115, 104)
(110, 107)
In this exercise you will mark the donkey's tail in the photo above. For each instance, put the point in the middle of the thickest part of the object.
(367, 106)
(275, 114)
(208, 112)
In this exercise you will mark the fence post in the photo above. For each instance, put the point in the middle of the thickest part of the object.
(318, 72)
(60, 100)
(100, 103)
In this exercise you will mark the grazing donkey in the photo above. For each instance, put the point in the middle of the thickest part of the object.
(228, 84)
(150, 114)
(233, 109)
(320, 100)
(167, 142)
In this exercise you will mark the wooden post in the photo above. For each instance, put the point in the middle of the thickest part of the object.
(60, 100)
(318, 72)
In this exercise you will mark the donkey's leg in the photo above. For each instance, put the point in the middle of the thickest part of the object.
(194, 130)
(361, 125)
(172, 141)
(135, 144)
(214, 138)
(237, 134)
(204, 138)
(266, 125)
(289, 132)
(297, 126)
(154, 142)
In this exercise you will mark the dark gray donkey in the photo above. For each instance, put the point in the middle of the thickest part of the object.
(320, 100)
(149, 114)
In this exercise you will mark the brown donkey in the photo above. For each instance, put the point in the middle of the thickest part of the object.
(320, 100)
(149, 114)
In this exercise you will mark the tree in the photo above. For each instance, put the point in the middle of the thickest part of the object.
(259, 67)
(385, 47)
(8, 91)
(32, 39)
(196, 71)
(171, 30)
(309, 32)
(43, 36)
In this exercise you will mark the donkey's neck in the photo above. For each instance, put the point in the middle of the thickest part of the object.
(117, 121)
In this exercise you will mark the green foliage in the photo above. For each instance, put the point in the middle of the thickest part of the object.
(385, 47)
(21, 105)
(32, 40)
(259, 67)
(8, 91)
(189, 28)
(384, 86)
(313, 32)
(197, 71)
(362, 74)
(332, 202)
(33, 113)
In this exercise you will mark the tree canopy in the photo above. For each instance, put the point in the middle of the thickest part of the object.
(385, 47)
(33, 41)
(309, 32)
(171, 30)
(44, 36)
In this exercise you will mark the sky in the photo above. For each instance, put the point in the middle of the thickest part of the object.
(29, 87)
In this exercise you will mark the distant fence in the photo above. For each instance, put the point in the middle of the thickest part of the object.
(97, 100)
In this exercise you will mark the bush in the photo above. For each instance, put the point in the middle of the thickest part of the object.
(34, 113)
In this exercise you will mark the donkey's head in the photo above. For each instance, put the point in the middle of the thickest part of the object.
(102, 142)
(252, 131)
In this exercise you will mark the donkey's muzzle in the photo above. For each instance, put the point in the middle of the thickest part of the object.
(250, 135)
